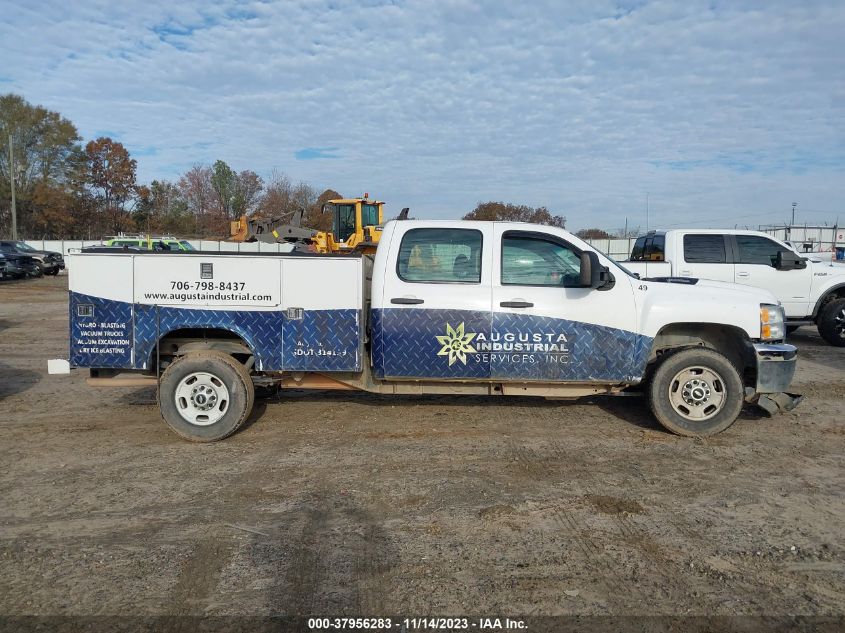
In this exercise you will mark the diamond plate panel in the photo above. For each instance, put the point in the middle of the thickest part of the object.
(406, 345)
(103, 339)
(324, 340)
(328, 340)
(541, 348)
(517, 347)
(262, 331)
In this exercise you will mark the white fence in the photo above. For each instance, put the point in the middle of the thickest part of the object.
(617, 248)
(828, 238)
(62, 246)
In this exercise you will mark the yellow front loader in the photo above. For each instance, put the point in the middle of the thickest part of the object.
(356, 226)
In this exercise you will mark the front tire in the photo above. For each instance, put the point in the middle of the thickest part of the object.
(696, 392)
(831, 323)
(205, 396)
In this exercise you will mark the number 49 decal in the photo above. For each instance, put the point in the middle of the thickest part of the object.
(643, 287)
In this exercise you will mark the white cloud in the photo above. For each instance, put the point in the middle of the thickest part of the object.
(717, 110)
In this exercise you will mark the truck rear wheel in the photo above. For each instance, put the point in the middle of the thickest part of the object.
(831, 323)
(696, 392)
(205, 396)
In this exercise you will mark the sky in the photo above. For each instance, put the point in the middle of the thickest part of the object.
(655, 114)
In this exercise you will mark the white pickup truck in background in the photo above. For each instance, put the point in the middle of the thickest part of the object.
(482, 308)
(811, 291)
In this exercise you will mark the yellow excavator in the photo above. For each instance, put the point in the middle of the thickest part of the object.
(356, 227)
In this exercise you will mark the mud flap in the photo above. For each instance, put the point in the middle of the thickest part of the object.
(774, 403)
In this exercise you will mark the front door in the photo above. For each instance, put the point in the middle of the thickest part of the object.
(436, 304)
(547, 327)
(755, 256)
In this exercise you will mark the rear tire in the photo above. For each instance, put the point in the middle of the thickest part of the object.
(696, 392)
(205, 396)
(831, 323)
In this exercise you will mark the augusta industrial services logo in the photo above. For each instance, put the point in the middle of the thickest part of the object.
(456, 344)
(503, 347)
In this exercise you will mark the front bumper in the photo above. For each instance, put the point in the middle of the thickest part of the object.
(775, 368)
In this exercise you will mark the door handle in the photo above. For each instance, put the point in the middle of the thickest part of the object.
(742, 273)
(406, 301)
(516, 304)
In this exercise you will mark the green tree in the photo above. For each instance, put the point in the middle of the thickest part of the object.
(236, 194)
(44, 145)
(593, 234)
(111, 176)
(162, 209)
(515, 213)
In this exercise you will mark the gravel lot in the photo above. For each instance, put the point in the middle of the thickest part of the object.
(356, 504)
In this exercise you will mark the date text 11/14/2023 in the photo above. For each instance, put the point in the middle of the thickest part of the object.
(418, 624)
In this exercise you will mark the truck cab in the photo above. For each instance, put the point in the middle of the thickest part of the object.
(811, 291)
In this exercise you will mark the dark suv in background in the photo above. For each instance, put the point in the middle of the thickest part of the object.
(49, 262)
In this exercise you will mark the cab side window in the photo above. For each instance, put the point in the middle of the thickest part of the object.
(650, 248)
(440, 256)
(754, 249)
(533, 261)
(705, 249)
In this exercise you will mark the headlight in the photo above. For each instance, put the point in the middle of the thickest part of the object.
(771, 323)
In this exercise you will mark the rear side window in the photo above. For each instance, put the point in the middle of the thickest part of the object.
(639, 249)
(440, 256)
(757, 250)
(705, 249)
(649, 248)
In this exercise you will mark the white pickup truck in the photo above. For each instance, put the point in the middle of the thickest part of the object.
(493, 308)
(811, 291)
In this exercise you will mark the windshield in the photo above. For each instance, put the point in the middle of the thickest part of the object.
(186, 245)
(23, 246)
(625, 270)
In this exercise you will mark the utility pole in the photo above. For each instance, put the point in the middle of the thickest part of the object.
(12, 182)
(646, 211)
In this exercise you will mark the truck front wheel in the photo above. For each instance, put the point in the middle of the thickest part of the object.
(205, 396)
(831, 323)
(696, 392)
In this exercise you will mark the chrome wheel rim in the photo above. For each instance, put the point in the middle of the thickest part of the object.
(202, 398)
(697, 393)
(839, 323)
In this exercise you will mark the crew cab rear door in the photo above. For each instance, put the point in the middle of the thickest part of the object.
(704, 256)
(435, 302)
(546, 326)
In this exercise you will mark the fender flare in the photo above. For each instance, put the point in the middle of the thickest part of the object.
(823, 299)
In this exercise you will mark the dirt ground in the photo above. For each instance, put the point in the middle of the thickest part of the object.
(354, 504)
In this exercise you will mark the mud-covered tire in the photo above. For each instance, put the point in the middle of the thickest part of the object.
(702, 382)
(215, 376)
(831, 323)
(53, 272)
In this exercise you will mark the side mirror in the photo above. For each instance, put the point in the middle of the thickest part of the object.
(326, 208)
(789, 260)
(593, 274)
